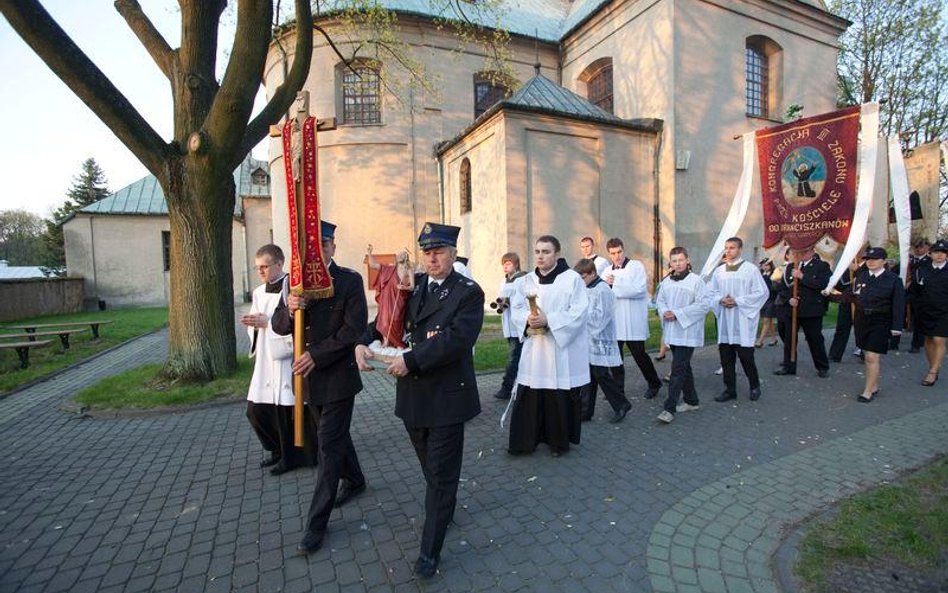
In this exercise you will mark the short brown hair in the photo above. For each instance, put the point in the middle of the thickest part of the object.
(274, 251)
(511, 257)
(676, 250)
(585, 266)
(614, 242)
(551, 240)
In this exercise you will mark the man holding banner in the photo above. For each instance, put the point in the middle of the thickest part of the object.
(332, 327)
(810, 274)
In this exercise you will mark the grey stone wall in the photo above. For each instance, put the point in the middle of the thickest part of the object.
(39, 296)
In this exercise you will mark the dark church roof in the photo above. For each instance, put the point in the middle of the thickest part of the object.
(543, 96)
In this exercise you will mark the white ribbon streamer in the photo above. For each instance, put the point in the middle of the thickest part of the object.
(868, 147)
(898, 179)
(735, 216)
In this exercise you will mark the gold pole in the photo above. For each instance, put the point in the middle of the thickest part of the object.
(298, 380)
(793, 324)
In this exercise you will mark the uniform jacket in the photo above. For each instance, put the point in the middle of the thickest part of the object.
(440, 388)
(882, 296)
(816, 273)
(333, 327)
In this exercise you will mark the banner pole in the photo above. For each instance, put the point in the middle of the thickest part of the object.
(793, 324)
(298, 380)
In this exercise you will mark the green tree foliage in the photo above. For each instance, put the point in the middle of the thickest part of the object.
(89, 186)
(21, 238)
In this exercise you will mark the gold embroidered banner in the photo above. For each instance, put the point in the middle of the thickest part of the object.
(808, 173)
(309, 274)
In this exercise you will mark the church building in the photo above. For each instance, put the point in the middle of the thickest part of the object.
(617, 118)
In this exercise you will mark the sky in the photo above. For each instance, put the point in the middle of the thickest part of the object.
(49, 132)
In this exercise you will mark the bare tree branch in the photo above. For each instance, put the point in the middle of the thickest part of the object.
(147, 34)
(31, 21)
(335, 50)
(285, 94)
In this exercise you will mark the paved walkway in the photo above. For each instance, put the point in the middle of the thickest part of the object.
(177, 502)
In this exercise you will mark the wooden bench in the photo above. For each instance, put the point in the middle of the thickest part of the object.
(23, 349)
(94, 324)
(62, 333)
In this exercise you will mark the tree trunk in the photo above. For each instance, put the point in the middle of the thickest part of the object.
(200, 200)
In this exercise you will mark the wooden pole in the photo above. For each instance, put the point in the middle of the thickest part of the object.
(302, 112)
(793, 324)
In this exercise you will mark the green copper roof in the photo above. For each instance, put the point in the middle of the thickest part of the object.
(144, 197)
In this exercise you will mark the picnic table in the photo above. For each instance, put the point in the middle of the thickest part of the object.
(31, 328)
(23, 349)
(62, 333)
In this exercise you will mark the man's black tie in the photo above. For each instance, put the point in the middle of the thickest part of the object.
(433, 287)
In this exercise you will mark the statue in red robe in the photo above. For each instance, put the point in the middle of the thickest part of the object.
(393, 285)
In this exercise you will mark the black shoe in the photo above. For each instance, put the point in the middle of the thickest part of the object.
(619, 414)
(502, 394)
(725, 396)
(785, 371)
(755, 394)
(282, 468)
(823, 373)
(426, 567)
(651, 392)
(273, 459)
(312, 541)
(914, 350)
(347, 493)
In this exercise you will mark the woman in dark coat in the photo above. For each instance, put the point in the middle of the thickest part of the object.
(930, 291)
(768, 312)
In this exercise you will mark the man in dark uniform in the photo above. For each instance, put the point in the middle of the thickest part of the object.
(812, 274)
(333, 327)
(918, 259)
(880, 314)
(436, 390)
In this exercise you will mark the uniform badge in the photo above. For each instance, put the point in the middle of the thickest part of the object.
(427, 229)
(442, 294)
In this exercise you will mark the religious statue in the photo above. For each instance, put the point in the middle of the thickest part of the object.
(393, 285)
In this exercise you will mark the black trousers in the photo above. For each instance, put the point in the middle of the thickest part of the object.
(813, 331)
(730, 353)
(602, 377)
(682, 379)
(514, 347)
(273, 426)
(844, 325)
(337, 459)
(642, 359)
(440, 450)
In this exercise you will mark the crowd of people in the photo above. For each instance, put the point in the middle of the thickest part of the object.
(567, 330)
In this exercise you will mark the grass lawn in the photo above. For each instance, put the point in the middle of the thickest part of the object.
(127, 324)
(141, 389)
(906, 521)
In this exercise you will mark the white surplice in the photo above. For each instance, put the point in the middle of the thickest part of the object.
(602, 264)
(507, 290)
(630, 285)
(688, 300)
(601, 322)
(272, 381)
(558, 359)
(737, 325)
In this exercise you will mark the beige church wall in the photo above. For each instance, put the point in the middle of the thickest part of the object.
(711, 105)
(404, 180)
(122, 276)
(639, 37)
(240, 280)
(483, 236)
(572, 179)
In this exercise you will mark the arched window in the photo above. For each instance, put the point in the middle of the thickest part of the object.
(489, 88)
(465, 186)
(359, 92)
(762, 73)
(597, 78)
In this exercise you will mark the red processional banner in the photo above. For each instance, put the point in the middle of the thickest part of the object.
(309, 274)
(808, 178)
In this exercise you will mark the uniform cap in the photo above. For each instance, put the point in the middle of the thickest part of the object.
(940, 245)
(438, 235)
(874, 253)
(327, 229)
